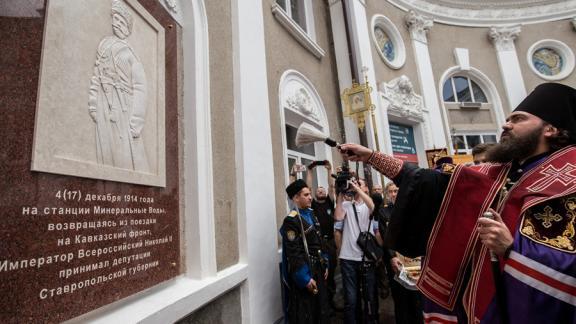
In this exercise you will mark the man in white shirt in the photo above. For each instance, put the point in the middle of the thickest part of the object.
(355, 217)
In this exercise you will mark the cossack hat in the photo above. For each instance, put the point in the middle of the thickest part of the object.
(555, 104)
(441, 160)
(294, 188)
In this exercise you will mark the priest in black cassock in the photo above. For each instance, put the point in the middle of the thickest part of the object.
(529, 188)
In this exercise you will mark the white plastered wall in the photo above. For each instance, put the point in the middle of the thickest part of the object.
(260, 294)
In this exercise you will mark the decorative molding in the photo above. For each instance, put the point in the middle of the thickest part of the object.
(299, 95)
(491, 15)
(390, 29)
(402, 100)
(491, 4)
(301, 101)
(418, 25)
(503, 37)
(295, 30)
(562, 49)
(171, 4)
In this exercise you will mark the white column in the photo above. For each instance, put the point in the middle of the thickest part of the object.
(362, 47)
(342, 62)
(503, 39)
(261, 300)
(418, 26)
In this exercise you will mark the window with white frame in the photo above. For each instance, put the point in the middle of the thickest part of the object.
(464, 143)
(303, 155)
(462, 89)
(298, 19)
(296, 10)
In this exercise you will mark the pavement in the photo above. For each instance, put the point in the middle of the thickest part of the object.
(385, 310)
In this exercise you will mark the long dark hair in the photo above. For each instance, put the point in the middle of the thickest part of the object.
(560, 140)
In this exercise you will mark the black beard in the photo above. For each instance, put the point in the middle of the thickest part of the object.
(514, 148)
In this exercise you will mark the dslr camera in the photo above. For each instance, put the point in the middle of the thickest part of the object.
(342, 181)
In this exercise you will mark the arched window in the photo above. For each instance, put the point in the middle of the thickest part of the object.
(472, 109)
(300, 102)
(462, 89)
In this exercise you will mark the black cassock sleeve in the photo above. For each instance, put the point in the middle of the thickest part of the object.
(419, 198)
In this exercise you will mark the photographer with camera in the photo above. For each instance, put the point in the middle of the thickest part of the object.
(323, 206)
(358, 274)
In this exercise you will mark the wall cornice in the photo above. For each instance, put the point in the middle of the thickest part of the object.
(487, 17)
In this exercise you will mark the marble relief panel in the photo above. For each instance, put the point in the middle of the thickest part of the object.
(100, 110)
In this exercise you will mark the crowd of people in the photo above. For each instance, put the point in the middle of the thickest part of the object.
(491, 241)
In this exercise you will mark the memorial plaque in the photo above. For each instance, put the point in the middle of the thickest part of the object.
(104, 226)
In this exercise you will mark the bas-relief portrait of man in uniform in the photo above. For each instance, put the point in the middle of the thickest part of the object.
(117, 99)
(100, 112)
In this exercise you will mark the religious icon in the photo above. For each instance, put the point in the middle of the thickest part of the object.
(357, 102)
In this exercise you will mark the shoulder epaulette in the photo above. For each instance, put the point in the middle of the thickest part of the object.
(448, 168)
(293, 213)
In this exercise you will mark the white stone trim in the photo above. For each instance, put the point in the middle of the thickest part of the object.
(562, 49)
(419, 25)
(169, 301)
(309, 15)
(292, 80)
(489, 17)
(490, 91)
(503, 38)
(305, 39)
(401, 100)
(462, 58)
(199, 233)
(256, 200)
(410, 113)
(388, 26)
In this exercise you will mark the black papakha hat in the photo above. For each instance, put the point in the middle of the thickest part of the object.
(294, 188)
(555, 104)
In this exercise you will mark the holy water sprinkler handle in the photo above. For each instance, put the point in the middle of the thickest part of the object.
(490, 215)
(330, 142)
(335, 144)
